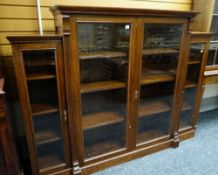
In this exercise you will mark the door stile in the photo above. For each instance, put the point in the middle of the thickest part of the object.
(25, 105)
(74, 81)
(179, 84)
(62, 101)
(133, 83)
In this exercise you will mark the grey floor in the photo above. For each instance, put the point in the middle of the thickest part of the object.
(198, 156)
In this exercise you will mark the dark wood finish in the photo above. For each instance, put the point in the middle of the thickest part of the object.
(40, 76)
(103, 85)
(105, 54)
(91, 121)
(152, 108)
(158, 51)
(156, 78)
(205, 38)
(46, 137)
(40, 109)
(74, 10)
(9, 165)
(31, 110)
(74, 121)
(187, 130)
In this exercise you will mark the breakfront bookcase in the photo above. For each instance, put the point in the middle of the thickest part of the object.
(113, 85)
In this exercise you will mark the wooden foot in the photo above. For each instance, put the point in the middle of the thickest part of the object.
(175, 140)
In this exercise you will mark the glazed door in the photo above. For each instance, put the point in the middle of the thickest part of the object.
(103, 54)
(41, 83)
(193, 85)
(160, 57)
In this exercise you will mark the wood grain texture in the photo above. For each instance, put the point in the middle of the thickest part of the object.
(70, 10)
(203, 21)
(40, 109)
(100, 86)
(152, 108)
(94, 120)
(69, 68)
(102, 54)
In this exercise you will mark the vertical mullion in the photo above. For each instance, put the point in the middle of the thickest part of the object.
(74, 85)
(130, 115)
(25, 105)
(62, 100)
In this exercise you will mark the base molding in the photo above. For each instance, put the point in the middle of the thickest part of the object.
(187, 134)
(126, 157)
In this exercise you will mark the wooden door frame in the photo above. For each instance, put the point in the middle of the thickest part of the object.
(25, 101)
(74, 78)
(182, 64)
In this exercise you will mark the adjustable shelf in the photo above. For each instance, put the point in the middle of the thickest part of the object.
(152, 108)
(40, 63)
(49, 161)
(40, 76)
(46, 137)
(190, 84)
(194, 61)
(149, 135)
(101, 54)
(186, 106)
(100, 86)
(159, 51)
(102, 147)
(99, 119)
(40, 109)
(156, 76)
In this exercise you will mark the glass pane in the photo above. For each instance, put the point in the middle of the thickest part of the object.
(43, 94)
(103, 54)
(159, 66)
(216, 7)
(193, 74)
(214, 28)
(212, 53)
(197, 51)
(187, 107)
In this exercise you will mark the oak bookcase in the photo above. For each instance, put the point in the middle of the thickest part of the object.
(114, 84)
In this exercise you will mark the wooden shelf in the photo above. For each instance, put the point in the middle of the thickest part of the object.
(194, 61)
(39, 63)
(186, 106)
(190, 84)
(159, 51)
(94, 120)
(103, 85)
(40, 109)
(149, 135)
(49, 161)
(184, 125)
(46, 137)
(101, 54)
(152, 108)
(156, 76)
(103, 147)
(40, 76)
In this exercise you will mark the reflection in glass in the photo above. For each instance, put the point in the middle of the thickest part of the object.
(160, 54)
(216, 7)
(187, 107)
(103, 55)
(48, 140)
(196, 51)
(40, 69)
(214, 28)
(212, 52)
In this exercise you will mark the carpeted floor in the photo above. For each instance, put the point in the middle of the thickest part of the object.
(198, 156)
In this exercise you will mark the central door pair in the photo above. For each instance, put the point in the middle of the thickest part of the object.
(127, 69)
